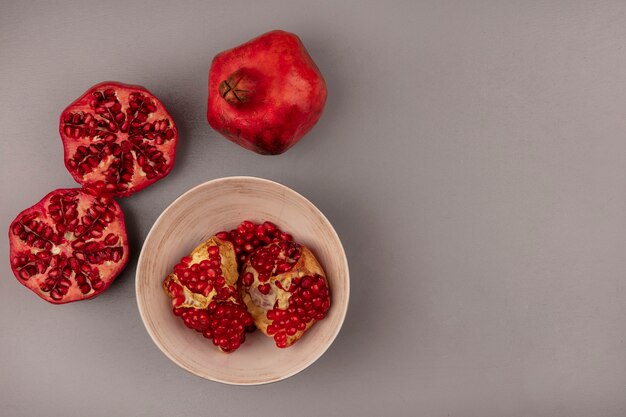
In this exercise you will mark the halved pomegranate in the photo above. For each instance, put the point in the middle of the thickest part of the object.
(203, 288)
(118, 138)
(69, 246)
(285, 290)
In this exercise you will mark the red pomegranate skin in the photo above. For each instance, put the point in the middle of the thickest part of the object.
(266, 93)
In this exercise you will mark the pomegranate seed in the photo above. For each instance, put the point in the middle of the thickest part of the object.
(283, 267)
(270, 227)
(306, 282)
(247, 279)
(264, 289)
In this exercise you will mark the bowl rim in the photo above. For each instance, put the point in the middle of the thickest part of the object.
(344, 261)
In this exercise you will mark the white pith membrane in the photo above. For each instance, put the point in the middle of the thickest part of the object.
(72, 241)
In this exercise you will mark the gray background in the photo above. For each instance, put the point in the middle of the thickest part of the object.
(472, 157)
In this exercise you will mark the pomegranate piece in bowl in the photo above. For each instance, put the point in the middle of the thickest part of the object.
(204, 294)
(285, 289)
(118, 138)
(69, 246)
(265, 94)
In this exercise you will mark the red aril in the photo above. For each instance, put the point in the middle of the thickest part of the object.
(69, 246)
(118, 138)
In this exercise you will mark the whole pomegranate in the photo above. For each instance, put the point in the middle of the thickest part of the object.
(266, 93)
(285, 290)
(69, 246)
(203, 289)
(118, 138)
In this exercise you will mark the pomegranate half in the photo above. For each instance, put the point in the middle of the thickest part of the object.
(118, 138)
(69, 246)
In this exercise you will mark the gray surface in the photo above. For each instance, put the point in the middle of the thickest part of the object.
(472, 158)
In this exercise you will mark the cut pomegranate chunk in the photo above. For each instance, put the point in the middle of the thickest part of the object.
(285, 290)
(203, 292)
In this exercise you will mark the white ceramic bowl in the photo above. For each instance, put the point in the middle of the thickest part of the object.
(221, 205)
